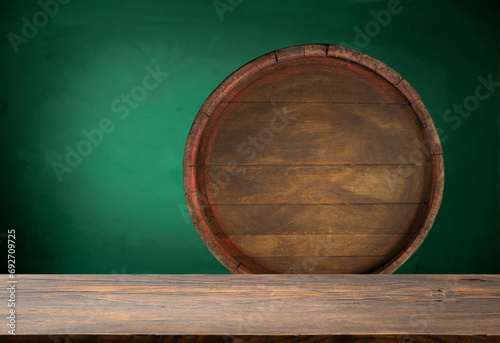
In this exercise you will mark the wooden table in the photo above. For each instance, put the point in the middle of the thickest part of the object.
(246, 308)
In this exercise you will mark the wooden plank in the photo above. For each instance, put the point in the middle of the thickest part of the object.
(368, 184)
(321, 79)
(252, 339)
(318, 245)
(315, 264)
(314, 219)
(397, 305)
(317, 133)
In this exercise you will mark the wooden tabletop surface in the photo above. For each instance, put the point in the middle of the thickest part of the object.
(288, 304)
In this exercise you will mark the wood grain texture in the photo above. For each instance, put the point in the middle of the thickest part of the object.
(318, 245)
(305, 81)
(318, 133)
(239, 305)
(367, 184)
(314, 253)
(312, 264)
(308, 141)
(315, 219)
(253, 339)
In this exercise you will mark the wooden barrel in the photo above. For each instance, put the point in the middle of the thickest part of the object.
(313, 159)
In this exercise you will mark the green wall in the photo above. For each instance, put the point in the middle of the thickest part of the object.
(121, 209)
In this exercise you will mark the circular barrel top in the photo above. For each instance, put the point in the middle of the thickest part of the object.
(313, 159)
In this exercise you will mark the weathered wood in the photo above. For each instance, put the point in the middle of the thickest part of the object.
(303, 141)
(235, 305)
(336, 254)
(305, 81)
(315, 219)
(313, 264)
(358, 184)
(253, 339)
(318, 245)
(318, 133)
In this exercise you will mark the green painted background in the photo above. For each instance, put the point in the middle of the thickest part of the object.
(122, 210)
